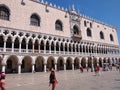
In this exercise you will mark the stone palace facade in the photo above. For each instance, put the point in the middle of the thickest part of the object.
(37, 36)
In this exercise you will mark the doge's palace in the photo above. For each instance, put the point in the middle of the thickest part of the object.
(37, 36)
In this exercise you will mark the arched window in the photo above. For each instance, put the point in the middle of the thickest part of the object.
(101, 35)
(4, 13)
(75, 30)
(85, 23)
(58, 25)
(111, 37)
(89, 33)
(35, 20)
(90, 25)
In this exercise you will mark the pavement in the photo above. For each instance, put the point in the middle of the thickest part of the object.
(67, 80)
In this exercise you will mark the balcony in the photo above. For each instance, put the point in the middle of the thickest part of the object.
(53, 52)
(77, 36)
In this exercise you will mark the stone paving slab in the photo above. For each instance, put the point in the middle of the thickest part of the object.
(69, 80)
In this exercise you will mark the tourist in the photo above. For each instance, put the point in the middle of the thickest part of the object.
(81, 69)
(87, 69)
(52, 79)
(98, 70)
(119, 67)
(95, 70)
(2, 81)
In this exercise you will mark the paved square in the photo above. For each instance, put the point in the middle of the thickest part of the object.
(69, 80)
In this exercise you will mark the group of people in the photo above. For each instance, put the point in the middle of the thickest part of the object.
(96, 70)
(2, 81)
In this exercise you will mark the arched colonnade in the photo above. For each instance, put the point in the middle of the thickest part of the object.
(22, 64)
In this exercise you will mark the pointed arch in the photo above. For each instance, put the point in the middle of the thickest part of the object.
(23, 43)
(16, 42)
(1, 41)
(69, 63)
(60, 63)
(35, 19)
(52, 45)
(57, 46)
(26, 65)
(58, 25)
(9, 42)
(89, 32)
(4, 12)
(30, 44)
(39, 64)
(76, 63)
(36, 44)
(101, 35)
(51, 62)
(75, 30)
(12, 64)
(47, 45)
(111, 37)
(42, 45)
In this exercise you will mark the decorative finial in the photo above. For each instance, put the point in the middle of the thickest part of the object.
(73, 8)
(42, 1)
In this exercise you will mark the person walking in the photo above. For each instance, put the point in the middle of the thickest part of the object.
(119, 67)
(2, 81)
(52, 79)
(81, 69)
(98, 70)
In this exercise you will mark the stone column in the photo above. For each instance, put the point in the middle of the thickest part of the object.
(33, 50)
(80, 65)
(64, 48)
(19, 68)
(44, 48)
(33, 68)
(4, 45)
(72, 49)
(50, 49)
(98, 62)
(85, 49)
(20, 47)
(39, 48)
(82, 49)
(102, 62)
(12, 46)
(72, 66)
(75, 49)
(55, 66)
(88, 49)
(3, 68)
(59, 48)
(27, 47)
(79, 49)
(45, 69)
(64, 66)
(55, 49)
(86, 62)
(67, 49)
(80, 59)
(92, 66)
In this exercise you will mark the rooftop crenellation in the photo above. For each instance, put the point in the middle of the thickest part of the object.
(73, 8)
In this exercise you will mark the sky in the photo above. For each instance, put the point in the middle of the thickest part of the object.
(107, 11)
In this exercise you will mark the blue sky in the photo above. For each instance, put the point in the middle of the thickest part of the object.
(107, 11)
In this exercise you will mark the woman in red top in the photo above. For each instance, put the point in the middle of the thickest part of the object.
(2, 81)
(53, 79)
